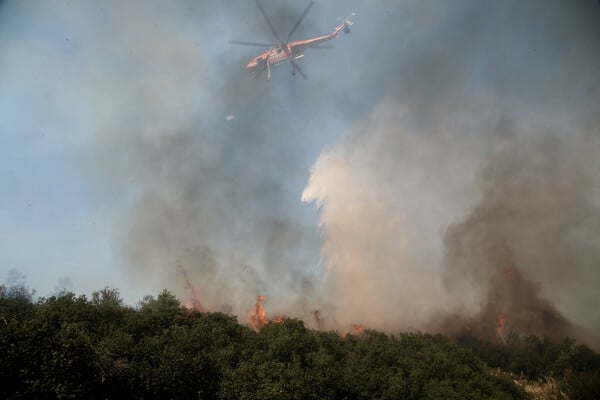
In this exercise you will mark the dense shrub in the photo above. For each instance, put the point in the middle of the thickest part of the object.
(68, 346)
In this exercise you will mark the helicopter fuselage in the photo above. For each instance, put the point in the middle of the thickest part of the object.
(287, 52)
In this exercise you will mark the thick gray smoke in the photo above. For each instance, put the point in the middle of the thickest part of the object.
(213, 162)
(528, 249)
(436, 118)
(446, 154)
(473, 194)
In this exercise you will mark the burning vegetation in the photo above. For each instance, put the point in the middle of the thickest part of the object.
(258, 316)
(193, 301)
(513, 306)
(528, 231)
(358, 330)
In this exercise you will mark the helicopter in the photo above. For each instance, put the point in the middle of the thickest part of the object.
(286, 51)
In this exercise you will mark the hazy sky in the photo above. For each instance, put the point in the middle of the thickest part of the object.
(361, 191)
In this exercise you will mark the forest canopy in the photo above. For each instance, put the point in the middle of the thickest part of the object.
(69, 346)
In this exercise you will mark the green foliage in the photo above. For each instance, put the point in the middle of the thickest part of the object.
(14, 301)
(582, 385)
(69, 346)
(534, 357)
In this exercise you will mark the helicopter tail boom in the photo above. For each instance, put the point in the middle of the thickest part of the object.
(300, 45)
(345, 25)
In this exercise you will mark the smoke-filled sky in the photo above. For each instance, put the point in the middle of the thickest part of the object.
(440, 166)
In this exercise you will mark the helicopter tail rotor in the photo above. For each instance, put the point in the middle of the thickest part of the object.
(347, 22)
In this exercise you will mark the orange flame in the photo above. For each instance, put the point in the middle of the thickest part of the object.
(194, 301)
(258, 317)
(358, 330)
(278, 319)
(500, 325)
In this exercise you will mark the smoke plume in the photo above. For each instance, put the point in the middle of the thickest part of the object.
(437, 171)
(470, 203)
(528, 247)
(451, 185)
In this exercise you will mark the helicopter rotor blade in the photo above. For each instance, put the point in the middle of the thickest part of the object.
(297, 68)
(264, 13)
(244, 43)
(300, 20)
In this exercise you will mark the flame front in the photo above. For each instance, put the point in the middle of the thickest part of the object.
(500, 325)
(258, 317)
(194, 301)
(358, 330)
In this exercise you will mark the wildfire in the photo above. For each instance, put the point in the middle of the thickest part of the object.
(278, 319)
(194, 301)
(258, 317)
(500, 321)
(358, 330)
